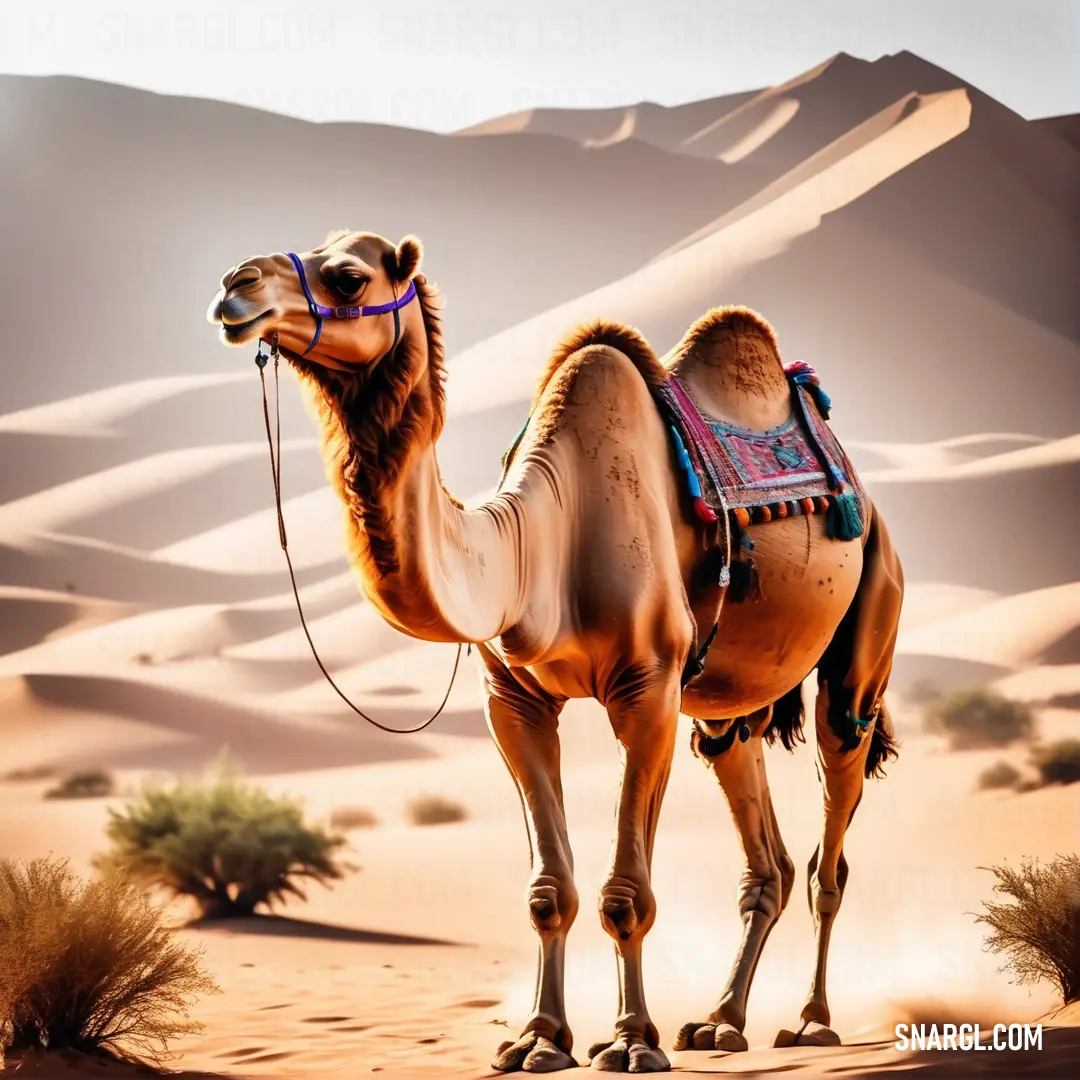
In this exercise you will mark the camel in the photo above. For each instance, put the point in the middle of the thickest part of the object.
(586, 576)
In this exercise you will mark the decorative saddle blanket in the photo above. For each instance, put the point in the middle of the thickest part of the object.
(751, 477)
(758, 476)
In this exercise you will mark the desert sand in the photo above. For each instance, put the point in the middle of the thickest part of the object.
(909, 237)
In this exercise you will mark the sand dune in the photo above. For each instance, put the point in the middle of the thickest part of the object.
(56, 509)
(90, 568)
(1065, 127)
(931, 462)
(1009, 631)
(95, 414)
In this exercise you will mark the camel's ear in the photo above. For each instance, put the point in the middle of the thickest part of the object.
(403, 263)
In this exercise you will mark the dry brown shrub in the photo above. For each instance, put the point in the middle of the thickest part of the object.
(999, 775)
(90, 965)
(434, 810)
(1040, 930)
(353, 817)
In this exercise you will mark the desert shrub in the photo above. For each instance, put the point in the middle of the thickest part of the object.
(999, 775)
(979, 719)
(89, 966)
(87, 784)
(1039, 930)
(434, 810)
(353, 817)
(228, 845)
(30, 773)
(922, 692)
(1058, 762)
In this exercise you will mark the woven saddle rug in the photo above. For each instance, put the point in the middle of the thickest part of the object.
(758, 476)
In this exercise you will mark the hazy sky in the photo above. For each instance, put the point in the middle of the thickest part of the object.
(444, 64)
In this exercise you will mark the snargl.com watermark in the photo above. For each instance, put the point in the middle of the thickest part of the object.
(968, 1037)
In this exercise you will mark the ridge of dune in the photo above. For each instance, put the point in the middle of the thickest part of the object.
(1007, 631)
(1042, 684)
(55, 508)
(716, 255)
(928, 602)
(769, 100)
(869, 153)
(250, 545)
(930, 463)
(91, 414)
(942, 453)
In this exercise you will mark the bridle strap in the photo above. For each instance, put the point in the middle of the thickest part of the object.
(319, 312)
(275, 468)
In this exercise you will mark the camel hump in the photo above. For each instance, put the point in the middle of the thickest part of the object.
(615, 335)
(733, 336)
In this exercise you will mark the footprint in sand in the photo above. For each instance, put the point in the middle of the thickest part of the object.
(269, 1057)
(325, 1019)
(267, 1008)
(477, 1003)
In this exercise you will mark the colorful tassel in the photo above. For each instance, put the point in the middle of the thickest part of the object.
(704, 512)
(844, 521)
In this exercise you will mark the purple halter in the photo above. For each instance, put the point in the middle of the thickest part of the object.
(321, 311)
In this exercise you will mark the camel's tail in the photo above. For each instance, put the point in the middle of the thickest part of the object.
(788, 717)
(856, 666)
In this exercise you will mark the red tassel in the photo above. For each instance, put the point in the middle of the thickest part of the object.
(704, 511)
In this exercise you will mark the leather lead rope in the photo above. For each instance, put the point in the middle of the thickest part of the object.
(275, 467)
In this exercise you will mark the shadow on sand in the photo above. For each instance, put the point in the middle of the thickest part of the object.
(282, 926)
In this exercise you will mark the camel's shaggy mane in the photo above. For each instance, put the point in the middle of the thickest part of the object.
(731, 319)
(372, 422)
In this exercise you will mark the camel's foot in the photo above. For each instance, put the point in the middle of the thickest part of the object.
(812, 1034)
(628, 1053)
(720, 1036)
(534, 1053)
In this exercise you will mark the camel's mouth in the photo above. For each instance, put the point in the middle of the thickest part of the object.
(237, 333)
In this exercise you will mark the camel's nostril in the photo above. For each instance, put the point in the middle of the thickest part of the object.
(241, 276)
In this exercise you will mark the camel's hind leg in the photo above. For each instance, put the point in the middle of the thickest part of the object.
(853, 739)
(644, 711)
(525, 728)
(766, 880)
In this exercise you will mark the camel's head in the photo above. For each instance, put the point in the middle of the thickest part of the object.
(333, 306)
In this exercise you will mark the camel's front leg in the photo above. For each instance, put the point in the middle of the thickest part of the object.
(644, 715)
(766, 881)
(526, 730)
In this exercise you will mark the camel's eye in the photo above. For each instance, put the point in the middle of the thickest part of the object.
(349, 284)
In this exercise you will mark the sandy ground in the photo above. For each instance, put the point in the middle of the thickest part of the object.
(422, 961)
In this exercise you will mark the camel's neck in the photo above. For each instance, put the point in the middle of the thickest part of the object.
(736, 376)
(433, 569)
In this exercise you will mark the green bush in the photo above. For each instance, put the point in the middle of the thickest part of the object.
(228, 845)
(1058, 762)
(1040, 930)
(434, 810)
(88, 784)
(89, 966)
(999, 775)
(979, 720)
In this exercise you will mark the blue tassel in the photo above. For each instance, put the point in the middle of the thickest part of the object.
(844, 520)
(822, 400)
